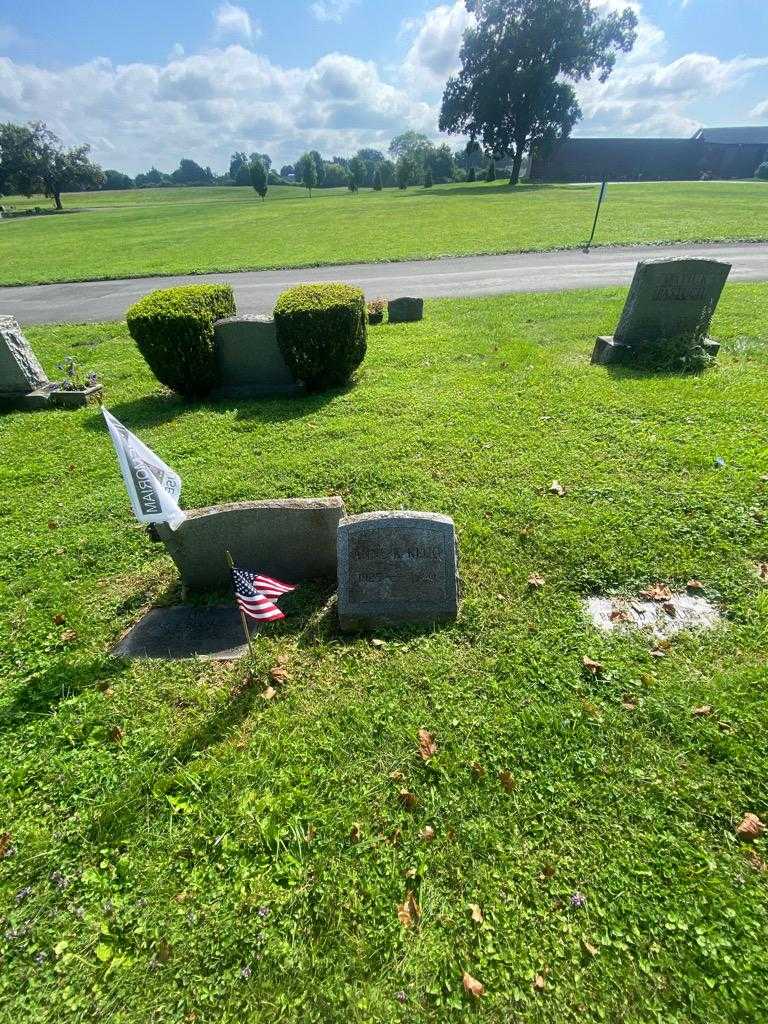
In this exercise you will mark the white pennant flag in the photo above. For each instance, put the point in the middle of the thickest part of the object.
(152, 486)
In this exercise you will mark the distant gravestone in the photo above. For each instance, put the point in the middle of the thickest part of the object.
(249, 362)
(670, 302)
(396, 568)
(20, 372)
(292, 539)
(405, 310)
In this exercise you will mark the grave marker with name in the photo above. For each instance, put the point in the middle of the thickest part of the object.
(670, 303)
(395, 568)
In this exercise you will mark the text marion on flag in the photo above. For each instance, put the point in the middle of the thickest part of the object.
(253, 592)
(152, 486)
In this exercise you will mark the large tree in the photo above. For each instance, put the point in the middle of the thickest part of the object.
(33, 160)
(514, 90)
(259, 179)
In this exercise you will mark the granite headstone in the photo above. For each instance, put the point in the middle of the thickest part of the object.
(20, 372)
(249, 362)
(670, 300)
(292, 539)
(405, 310)
(396, 568)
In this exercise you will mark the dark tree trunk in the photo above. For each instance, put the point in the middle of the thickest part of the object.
(57, 200)
(517, 163)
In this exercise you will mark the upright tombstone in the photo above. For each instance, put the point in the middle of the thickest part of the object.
(670, 304)
(405, 310)
(396, 568)
(249, 362)
(23, 381)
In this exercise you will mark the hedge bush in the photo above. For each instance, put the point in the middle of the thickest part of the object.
(321, 331)
(173, 329)
(762, 172)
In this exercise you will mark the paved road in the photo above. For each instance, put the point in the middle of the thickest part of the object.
(256, 291)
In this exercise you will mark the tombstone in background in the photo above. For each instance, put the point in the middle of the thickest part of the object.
(670, 300)
(293, 539)
(248, 359)
(405, 310)
(23, 382)
(396, 568)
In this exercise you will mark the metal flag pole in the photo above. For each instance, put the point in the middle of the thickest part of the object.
(242, 613)
(600, 198)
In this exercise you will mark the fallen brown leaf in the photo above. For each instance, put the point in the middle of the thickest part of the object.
(68, 636)
(702, 711)
(355, 833)
(536, 581)
(507, 780)
(427, 834)
(589, 948)
(670, 609)
(620, 615)
(594, 667)
(269, 693)
(548, 871)
(694, 585)
(750, 827)
(762, 570)
(408, 912)
(557, 488)
(476, 913)
(658, 653)
(539, 982)
(477, 770)
(396, 776)
(52, 524)
(658, 592)
(279, 675)
(117, 735)
(427, 745)
(472, 986)
(59, 619)
(410, 800)
(756, 862)
(5, 843)
(629, 704)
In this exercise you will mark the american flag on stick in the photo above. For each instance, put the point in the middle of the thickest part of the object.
(253, 592)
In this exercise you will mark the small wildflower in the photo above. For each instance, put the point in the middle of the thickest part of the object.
(23, 894)
(246, 972)
(400, 996)
(578, 900)
(263, 912)
(40, 958)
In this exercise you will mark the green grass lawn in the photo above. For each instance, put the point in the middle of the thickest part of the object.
(194, 230)
(180, 849)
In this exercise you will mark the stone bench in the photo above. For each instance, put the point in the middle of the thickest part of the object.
(248, 359)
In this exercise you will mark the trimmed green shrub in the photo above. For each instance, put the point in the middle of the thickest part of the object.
(173, 329)
(321, 331)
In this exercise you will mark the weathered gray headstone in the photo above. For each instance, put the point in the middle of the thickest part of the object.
(248, 359)
(669, 300)
(405, 310)
(187, 631)
(293, 539)
(397, 567)
(20, 372)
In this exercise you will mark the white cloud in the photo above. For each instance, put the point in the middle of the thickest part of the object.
(231, 21)
(761, 110)
(331, 10)
(434, 53)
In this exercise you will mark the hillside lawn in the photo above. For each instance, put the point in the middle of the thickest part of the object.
(197, 230)
(179, 848)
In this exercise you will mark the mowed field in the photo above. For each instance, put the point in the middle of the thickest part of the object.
(194, 230)
(176, 847)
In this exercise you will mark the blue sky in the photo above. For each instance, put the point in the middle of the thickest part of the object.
(148, 83)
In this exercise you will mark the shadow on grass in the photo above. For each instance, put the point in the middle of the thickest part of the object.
(481, 189)
(60, 682)
(154, 410)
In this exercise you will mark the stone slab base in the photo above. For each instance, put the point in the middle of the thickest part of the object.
(47, 396)
(187, 631)
(608, 351)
